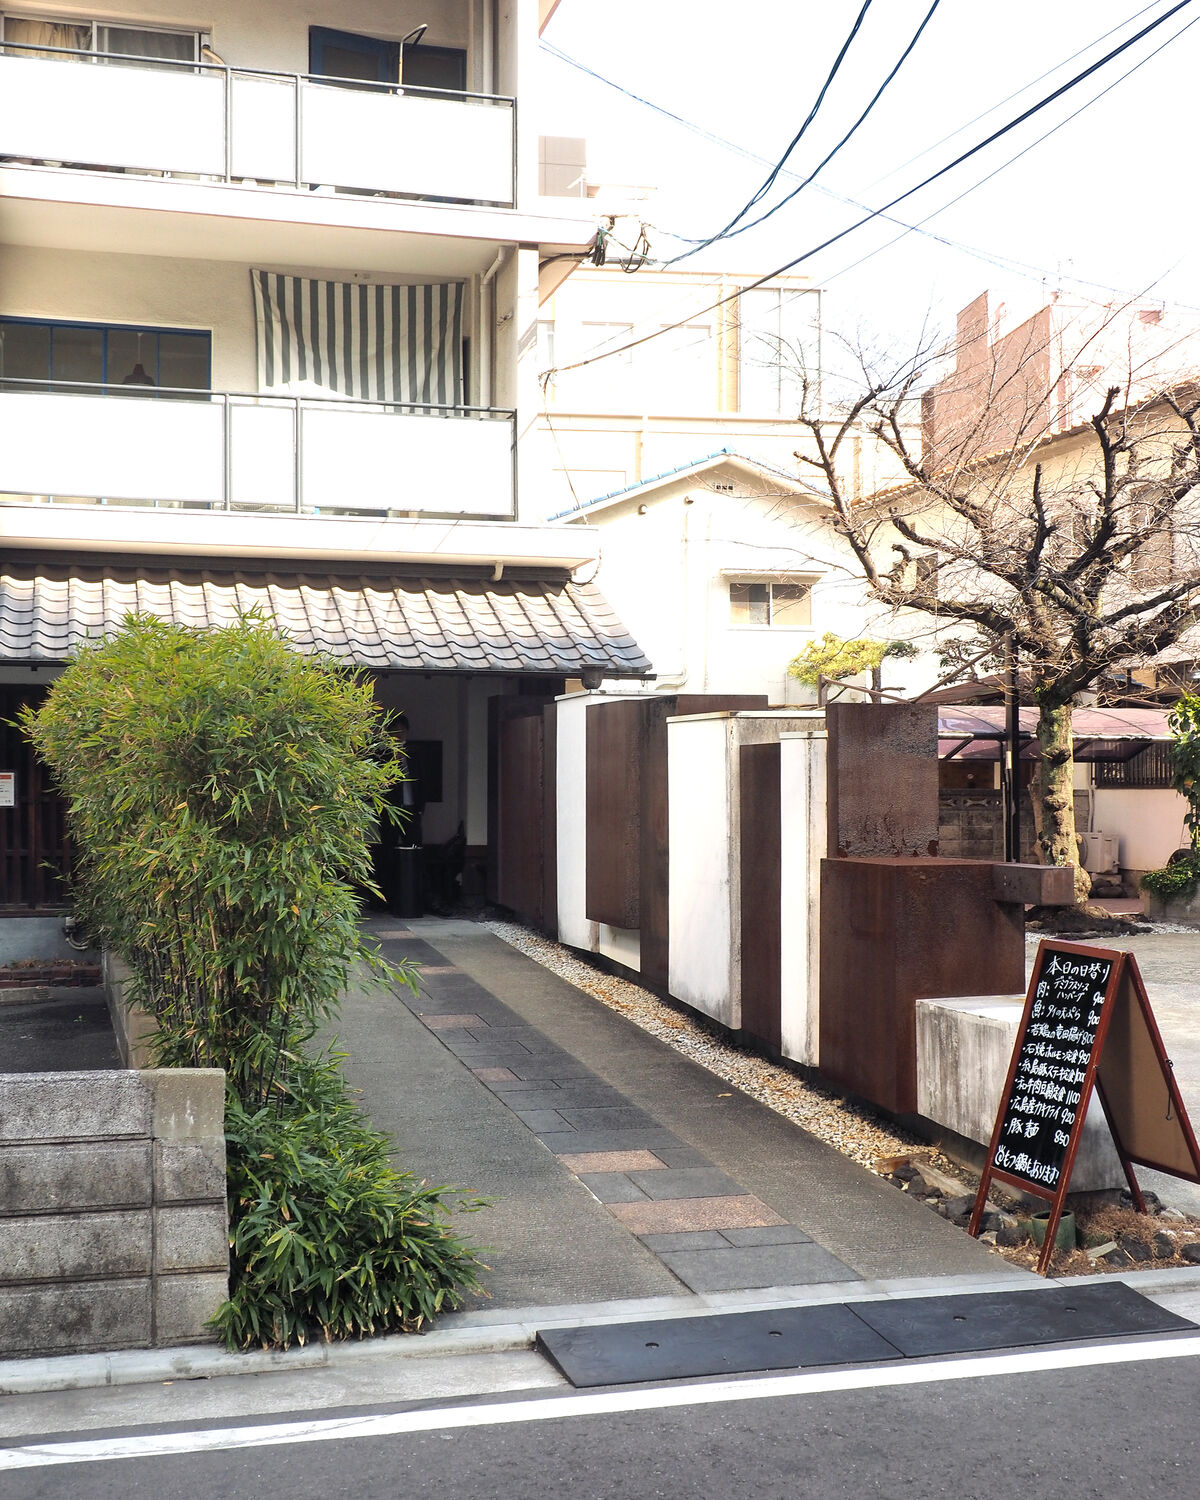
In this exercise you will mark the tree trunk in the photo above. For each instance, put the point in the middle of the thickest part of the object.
(1055, 790)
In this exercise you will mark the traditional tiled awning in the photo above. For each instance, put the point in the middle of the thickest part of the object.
(427, 623)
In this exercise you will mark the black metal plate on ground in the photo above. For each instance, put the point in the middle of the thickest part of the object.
(978, 1321)
(723, 1344)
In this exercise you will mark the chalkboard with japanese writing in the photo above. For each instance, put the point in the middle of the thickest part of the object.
(1046, 1091)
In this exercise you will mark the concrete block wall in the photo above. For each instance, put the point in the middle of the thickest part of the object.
(113, 1221)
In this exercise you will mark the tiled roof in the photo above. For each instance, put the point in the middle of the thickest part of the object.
(420, 623)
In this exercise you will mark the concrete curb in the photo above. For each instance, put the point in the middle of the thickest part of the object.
(499, 1333)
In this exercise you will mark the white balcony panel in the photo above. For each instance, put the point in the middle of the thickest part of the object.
(113, 447)
(264, 128)
(149, 120)
(262, 462)
(404, 143)
(391, 461)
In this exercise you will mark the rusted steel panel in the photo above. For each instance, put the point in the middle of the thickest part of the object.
(883, 779)
(760, 892)
(614, 757)
(549, 921)
(519, 873)
(894, 931)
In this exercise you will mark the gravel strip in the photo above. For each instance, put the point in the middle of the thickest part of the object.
(851, 1128)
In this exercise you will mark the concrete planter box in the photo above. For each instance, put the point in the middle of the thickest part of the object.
(1183, 911)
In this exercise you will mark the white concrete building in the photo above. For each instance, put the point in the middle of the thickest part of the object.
(725, 570)
(269, 292)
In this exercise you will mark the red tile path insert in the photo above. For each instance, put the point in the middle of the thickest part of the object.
(671, 1215)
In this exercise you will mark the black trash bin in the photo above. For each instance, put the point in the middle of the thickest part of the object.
(404, 893)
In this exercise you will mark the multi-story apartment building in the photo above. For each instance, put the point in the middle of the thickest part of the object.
(728, 375)
(269, 289)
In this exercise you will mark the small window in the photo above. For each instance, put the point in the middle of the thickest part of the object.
(787, 606)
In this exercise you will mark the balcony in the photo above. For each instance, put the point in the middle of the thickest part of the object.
(272, 454)
(218, 123)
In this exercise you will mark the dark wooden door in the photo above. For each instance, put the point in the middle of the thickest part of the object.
(520, 802)
(33, 842)
(760, 893)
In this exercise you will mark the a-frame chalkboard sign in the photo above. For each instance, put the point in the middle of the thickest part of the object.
(1087, 1025)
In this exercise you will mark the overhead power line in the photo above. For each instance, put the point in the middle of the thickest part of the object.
(958, 197)
(899, 198)
(1033, 272)
(769, 181)
(1016, 94)
(729, 231)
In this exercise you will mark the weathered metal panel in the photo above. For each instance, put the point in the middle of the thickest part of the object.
(614, 758)
(894, 931)
(760, 893)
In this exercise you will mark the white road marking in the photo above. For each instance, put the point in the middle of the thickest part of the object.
(391, 1424)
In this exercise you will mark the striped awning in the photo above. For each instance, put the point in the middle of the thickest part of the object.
(371, 342)
(431, 624)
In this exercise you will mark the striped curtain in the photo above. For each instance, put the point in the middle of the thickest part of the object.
(375, 343)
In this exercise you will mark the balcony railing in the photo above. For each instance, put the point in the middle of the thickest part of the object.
(222, 451)
(213, 121)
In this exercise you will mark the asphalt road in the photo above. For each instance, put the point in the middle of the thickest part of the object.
(1092, 1424)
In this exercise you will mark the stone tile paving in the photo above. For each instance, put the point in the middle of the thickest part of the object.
(711, 1233)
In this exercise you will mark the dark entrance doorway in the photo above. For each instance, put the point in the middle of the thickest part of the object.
(34, 855)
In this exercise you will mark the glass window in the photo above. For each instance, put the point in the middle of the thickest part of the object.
(785, 605)
(54, 34)
(142, 43)
(24, 353)
(77, 354)
(94, 354)
(750, 603)
(791, 604)
(778, 343)
(174, 46)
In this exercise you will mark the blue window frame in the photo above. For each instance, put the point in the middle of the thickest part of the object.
(119, 356)
(344, 54)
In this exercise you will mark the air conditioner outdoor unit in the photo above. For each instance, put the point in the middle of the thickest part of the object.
(1101, 852)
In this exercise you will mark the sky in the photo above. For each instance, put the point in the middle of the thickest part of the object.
(1104, 207)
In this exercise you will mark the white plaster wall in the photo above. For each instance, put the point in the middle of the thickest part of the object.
(803, 793)
(699, 963)
(704, 788)
(1148, 822)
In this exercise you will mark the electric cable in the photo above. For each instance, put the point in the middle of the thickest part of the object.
(1008, 263)
(769, 182)
(729, 232)
(909, 192)
(909, 229)
(1016, 94)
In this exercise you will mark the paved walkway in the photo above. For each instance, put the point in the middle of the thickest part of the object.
(617, 1167)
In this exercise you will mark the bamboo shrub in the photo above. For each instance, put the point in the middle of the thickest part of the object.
(222, 790)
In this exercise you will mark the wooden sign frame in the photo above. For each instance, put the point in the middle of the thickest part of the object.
(1128, 1078)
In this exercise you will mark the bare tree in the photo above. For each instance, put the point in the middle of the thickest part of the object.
(1078, 548)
